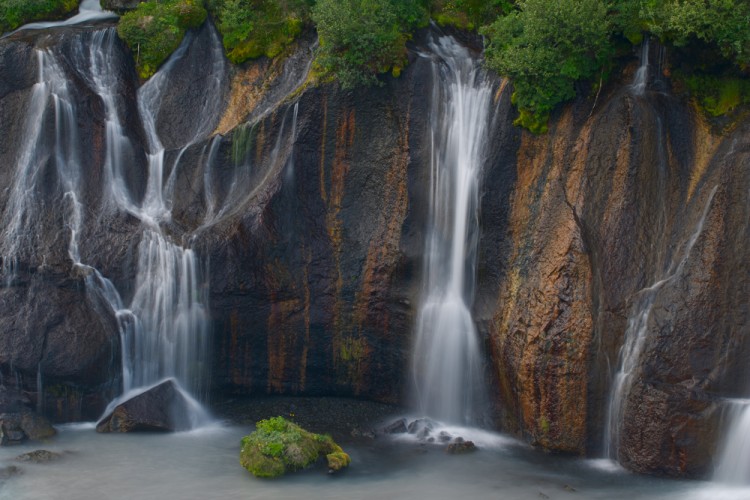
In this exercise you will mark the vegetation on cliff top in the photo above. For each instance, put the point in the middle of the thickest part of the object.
(15, 13)
(254, 28)
(155, 29)
(278, 446)
(361, 38)
(547, 47)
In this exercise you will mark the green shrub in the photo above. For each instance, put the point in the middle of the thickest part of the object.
(360, 39)
(155, 29)
(278, 445)
(718, 95)
(545, 47)
(468, 14)
(15, 13)
(253, 28)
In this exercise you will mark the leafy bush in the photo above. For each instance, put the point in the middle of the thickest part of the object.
(718, 95)
(252, 28)
(15, 13)
(360, 39)
(545, 47)
(468, 14)
(155, 29)
(722, 23)
(278, 445)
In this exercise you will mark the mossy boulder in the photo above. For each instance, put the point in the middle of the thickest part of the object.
(278, 446)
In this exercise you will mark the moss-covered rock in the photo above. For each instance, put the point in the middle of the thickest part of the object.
(155, 29)
(278, 446)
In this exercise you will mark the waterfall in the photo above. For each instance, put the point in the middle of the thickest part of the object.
(26, 214)
(446, 364)
(164, 329)
(641, 75)
(636, 334)
(733, 466)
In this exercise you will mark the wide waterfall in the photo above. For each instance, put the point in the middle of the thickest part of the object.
(447, 367)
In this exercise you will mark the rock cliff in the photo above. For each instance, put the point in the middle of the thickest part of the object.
(307, 206)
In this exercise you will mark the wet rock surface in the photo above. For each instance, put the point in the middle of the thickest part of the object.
(162, 408)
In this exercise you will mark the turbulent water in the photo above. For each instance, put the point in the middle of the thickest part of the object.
(447, 367)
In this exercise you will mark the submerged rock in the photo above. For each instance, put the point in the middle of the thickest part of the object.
(460, 447)
(39, 456)
(278, 446)
(161, 408)
(18, 422)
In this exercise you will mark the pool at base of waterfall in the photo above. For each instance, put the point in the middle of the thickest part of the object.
(204, 463)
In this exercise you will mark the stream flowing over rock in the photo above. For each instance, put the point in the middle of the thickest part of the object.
(304, 211)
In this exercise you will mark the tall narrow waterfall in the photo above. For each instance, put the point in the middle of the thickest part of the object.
(447, 368)
(635, 340)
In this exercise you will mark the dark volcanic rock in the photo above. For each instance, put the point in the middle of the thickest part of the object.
(396, 427)
(460, 447)
(161, 408)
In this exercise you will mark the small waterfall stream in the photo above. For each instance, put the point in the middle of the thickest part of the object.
(635, 337)
(447, 369)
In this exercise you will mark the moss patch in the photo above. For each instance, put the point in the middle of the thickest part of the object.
(278, 446)
(718, 95)
(155, 29)
(16, 13)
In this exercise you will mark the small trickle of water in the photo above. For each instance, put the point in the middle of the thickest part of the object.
(447, 367)
(636, 334)
(641, 75)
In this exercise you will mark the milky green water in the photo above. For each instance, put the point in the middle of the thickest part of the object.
(204, 464)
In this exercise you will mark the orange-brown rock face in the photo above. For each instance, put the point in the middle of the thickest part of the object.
(638, 198)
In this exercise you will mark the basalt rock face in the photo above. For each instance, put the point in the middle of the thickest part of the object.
(308, 208)
(638, 194)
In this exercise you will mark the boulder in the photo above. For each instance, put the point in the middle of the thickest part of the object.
(162, 408)
(460, 447)
(396, 427)
(18, 422)
(278, 446)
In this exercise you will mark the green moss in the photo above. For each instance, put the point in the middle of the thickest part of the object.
(536, 123)
(254, 28)
(544, 425)
(155, 29)
(338, 460)
(278, 446)
(15, 13)
(718, 95)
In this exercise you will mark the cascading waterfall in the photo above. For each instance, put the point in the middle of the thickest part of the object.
(635, 339)
(164, 330)
(24, 213)
(447, 367)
